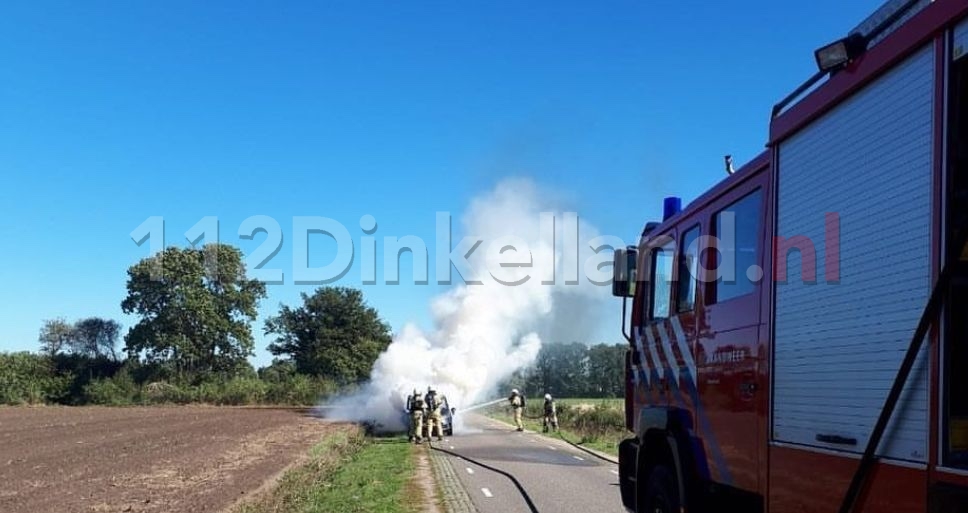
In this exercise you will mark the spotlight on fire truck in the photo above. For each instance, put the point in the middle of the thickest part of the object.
(838, 54)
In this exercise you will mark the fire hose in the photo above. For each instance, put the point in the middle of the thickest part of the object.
(575, 445)
(517, 484)
(514, 480)
(586, 450)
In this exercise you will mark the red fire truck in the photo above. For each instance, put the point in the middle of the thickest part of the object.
(829, 370)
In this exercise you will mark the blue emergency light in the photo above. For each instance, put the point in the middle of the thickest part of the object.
(670, 207)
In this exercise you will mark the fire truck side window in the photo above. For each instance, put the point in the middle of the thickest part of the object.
(737, 228)
(688, 259)
(661, 282)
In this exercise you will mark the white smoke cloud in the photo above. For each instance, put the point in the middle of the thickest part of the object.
(484, 333)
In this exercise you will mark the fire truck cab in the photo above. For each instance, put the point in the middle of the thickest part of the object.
(798, 335)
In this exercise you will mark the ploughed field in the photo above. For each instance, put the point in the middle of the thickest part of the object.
(156, 459)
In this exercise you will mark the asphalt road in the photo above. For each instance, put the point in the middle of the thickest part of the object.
(557, 477)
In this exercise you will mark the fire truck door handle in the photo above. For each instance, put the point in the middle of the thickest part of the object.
(836, 439)
(747, 388)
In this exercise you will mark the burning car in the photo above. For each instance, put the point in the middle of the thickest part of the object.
(446, 416)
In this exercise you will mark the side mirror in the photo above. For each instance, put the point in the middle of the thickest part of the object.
(623, 272)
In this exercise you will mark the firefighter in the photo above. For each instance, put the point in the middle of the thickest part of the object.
(435, 421)
(415, 405)
(517, 405)
(550, 414)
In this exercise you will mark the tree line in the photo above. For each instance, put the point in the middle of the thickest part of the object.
(574, 370)
(195, 309)
(193, 337)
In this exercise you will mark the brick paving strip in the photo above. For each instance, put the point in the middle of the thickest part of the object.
(452, 493)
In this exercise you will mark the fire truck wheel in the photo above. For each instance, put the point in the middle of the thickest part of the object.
(661, 491)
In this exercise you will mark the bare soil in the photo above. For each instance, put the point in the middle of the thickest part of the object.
(158, 459)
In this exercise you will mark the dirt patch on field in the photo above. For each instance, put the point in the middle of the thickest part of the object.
(177, 459)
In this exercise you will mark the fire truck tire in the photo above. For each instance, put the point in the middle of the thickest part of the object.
(661, 492)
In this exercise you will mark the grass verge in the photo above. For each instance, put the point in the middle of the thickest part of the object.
(600, 427)
(374, 481)
(616, 403)
(347, 472)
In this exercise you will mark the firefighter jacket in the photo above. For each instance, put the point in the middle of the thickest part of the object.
(549, 408)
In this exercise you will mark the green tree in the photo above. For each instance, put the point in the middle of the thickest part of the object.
(196, 306)
(56, 337)
(278, 371)
(561, 370)
(606, 370)
(334, 334)
(523, 381)
(96, 337)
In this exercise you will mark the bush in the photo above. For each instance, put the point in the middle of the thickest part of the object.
(235, 392)
(239, 391)
(598, 421)
(121, 390)
(27, 378)
(82, 370)
(161, 392)
(298, 390)
(278, 371)
(590, 422)
(151, 372)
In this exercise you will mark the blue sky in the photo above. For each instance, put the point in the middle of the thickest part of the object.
(111, 112)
